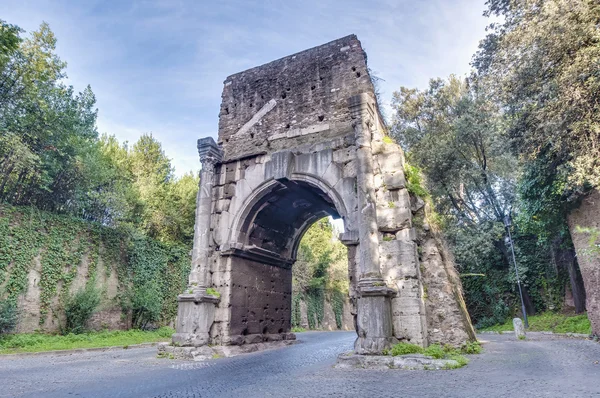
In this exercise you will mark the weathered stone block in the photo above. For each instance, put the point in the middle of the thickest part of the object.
(393, 219)
(280, 166)
(394, 180)
(390, 162)
(344, 155)
(350, 169)
(398, 260)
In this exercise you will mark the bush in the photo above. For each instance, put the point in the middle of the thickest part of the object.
(471, 347)
(406, 348)
(9, 315)
(79, 308)
(436, 351)
(146, 305)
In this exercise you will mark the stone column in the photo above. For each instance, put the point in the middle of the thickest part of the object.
(210, 155)
(196, 308)
(374, 313)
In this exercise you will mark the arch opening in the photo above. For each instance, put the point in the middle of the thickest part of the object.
(265, 248)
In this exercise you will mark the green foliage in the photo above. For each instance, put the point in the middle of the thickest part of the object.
(146, 305)
(319, 274)
(405, 348)
(151, 274)
(52, 158)
(315, 301)
(457, 135)
(436, 351)
(79, 308)
(471, 347)
(337, 304)
(298, 329)
(541, 64)
(35, 342)
(296, 316)
(212, 292)
(461, 361)
(549, 322)
(414, 181)
(9, 316)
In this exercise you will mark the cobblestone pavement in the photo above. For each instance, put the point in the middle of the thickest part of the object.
(542, 366)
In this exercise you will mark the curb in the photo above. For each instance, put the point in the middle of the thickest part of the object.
(79, 350)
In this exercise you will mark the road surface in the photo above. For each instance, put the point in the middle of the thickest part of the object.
(539, 367)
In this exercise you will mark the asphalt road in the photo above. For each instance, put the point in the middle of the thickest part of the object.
(539, 367)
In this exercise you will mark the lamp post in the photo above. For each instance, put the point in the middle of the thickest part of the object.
(507, 224)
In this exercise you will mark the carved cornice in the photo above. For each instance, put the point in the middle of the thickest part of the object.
(210, 153)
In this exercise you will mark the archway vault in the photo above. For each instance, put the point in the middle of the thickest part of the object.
(301, 138)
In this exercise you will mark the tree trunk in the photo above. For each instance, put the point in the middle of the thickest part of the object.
(588, 215)
(577, 287)
(563, 254)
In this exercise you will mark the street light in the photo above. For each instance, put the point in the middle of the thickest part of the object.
(507, 224)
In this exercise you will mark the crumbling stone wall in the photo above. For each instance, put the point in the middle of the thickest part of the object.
(296, 100)
(109, 316)
(588, 215)
(329, 321)
(288, 135)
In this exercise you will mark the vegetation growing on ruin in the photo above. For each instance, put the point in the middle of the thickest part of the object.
(437, 351)
(36, 342)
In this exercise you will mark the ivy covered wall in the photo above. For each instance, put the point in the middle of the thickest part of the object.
(44, 258)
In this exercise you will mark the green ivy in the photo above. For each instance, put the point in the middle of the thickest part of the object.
(296, 313)
(337, 303)
(414, 181)
(62, 243)
(315, 300)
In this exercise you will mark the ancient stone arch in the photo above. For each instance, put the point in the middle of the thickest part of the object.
(301, 138)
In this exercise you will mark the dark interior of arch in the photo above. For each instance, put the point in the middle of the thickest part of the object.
(261, 275)
(277, 222)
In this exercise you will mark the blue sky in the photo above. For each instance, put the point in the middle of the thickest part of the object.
(158, 65)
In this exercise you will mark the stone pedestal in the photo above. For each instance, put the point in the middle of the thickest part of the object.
(374, 320)
(195, 315)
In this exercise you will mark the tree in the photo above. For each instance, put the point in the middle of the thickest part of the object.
(452, 131)
(320, 272)
(456, 133)
(542, 65)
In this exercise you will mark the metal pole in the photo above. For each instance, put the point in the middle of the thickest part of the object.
(517, 273)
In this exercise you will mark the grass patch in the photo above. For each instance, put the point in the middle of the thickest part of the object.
(37, 342)
(298, 329)
(438, 351)
(405, 348)
(549, 322)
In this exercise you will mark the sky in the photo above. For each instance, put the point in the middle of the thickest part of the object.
(158, 66)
